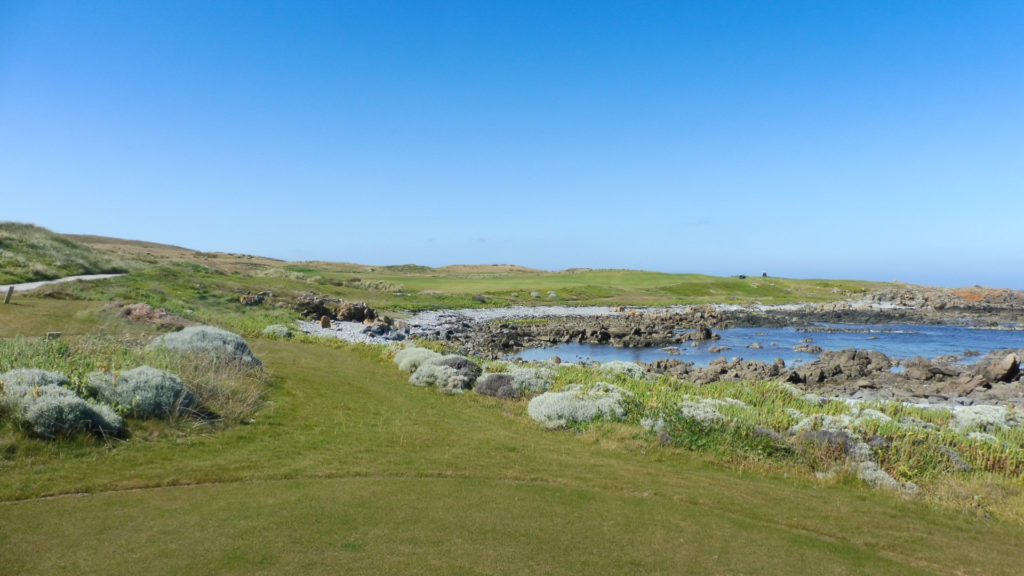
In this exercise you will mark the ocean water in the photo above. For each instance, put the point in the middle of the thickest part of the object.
(899, 342)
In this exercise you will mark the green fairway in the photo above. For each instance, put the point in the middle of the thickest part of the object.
(349, 469)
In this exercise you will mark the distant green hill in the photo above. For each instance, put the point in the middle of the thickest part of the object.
(29, 253)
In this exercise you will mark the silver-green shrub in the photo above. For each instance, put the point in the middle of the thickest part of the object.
(277, 331)
(144, 392)
(628, 369)
(985, 418)
(411, 358)
(532, 380)
(497, 385)
(62, 416)
(209, 338)
(579, 404)
(33, 377)
(37, 399)
(466, 369)
(445, 378)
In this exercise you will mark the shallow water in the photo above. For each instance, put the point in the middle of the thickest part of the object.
(896, 341)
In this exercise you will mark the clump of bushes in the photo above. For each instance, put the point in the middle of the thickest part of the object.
(452, 374)
(143, 392)
(411, 358)
(466, 371)
(580, 404)
(39, 400)
(520, 381)
(220, 387)
(209, 338)
(444, 378)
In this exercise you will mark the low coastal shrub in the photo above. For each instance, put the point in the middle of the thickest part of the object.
(143, 392)
(579, 404)
(38, 400)
(33, 378)
(620, 368)
(411, 358)
(498, 385)
(225, 390)
(209, 338)
(450, 373)
(445, 378)
(277, 331)
(467, 370)
(532, 380)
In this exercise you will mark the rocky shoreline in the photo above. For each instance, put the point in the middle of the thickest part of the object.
(863, 374)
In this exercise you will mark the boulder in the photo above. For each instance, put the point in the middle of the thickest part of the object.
(355, 312)
(313, 306)
(807, 348)
(1004, 369)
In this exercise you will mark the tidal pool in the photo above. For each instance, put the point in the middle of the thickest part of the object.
(898, 341)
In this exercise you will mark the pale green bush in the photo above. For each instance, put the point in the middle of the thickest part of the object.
(277, 331)
(64, 416)
(445, 378)
(985, 418)
(37, 399)
(497, 385)
(211, 338)
(628, 369)
(466, 369)
(532, 380)
(411, 358)
(578, 404)
(33, 377)
(143, 392)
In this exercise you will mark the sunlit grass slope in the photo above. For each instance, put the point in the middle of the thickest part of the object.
(29, 253)
(349, 469)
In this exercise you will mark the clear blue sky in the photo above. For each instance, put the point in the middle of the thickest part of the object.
(872, 140)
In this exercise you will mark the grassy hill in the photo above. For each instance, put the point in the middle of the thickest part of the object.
(206, 286)
(349, 469)
(29, 253)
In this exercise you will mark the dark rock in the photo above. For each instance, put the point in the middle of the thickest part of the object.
(808, 348)
(313, 306)
(355, 312)
(1004, 369)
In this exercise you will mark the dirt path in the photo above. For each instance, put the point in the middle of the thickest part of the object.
(33, 285)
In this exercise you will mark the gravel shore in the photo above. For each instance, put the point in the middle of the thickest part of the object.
(425, 322)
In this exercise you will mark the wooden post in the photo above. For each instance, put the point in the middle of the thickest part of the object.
(10, 290)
